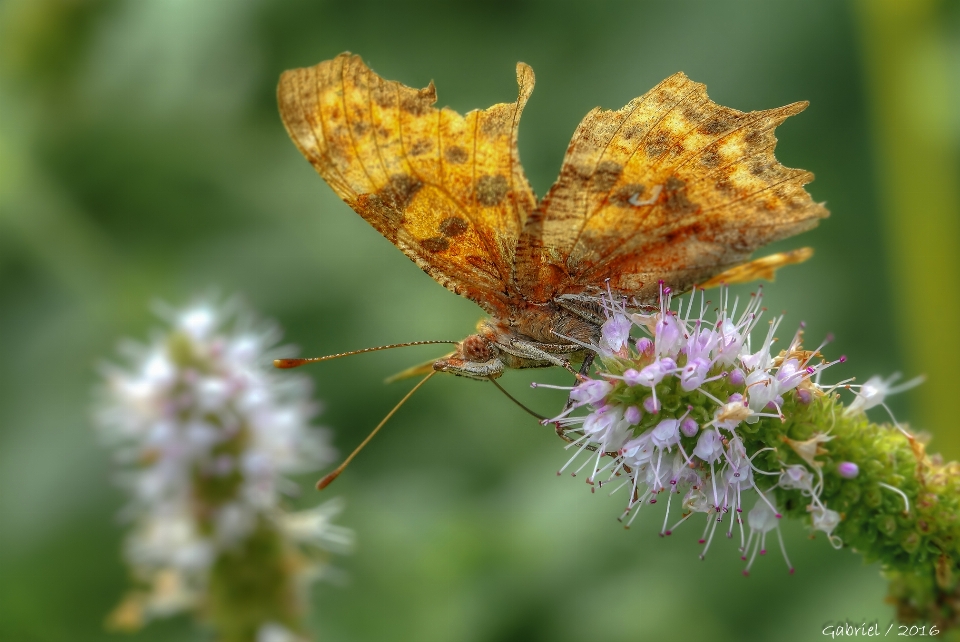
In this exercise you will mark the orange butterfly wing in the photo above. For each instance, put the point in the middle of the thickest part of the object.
(671, 187)
(446, 189)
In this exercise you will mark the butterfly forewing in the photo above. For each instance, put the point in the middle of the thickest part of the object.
(446, 189)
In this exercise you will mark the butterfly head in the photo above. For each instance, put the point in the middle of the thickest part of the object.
(476, 357)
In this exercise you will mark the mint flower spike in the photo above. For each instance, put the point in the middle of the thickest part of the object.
(204, 432)
(695, 408)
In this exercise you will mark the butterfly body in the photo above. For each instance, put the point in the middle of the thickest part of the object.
(671, 189)
(533, 337)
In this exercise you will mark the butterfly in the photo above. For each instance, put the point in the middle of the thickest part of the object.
(672, 190)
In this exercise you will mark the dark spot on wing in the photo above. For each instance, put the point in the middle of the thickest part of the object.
(455, 155)
(725, 184)
(710, 158)
(605, 176)
(691, 113)
(491, 190)
(754, 137)
(656, 145)
(573, 178)
(453, 226)
(421, 147)
(714, 126)
(384, 94)
(759, 167)
(632, 132)
(677, 202)
(360, 128)
(401, 189)
(436, 244)
(684, 233)
(393, 199)
(495, 124)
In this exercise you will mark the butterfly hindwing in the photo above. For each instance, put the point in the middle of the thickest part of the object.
(671, 187)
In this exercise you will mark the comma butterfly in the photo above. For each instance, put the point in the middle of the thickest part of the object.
(672, 189)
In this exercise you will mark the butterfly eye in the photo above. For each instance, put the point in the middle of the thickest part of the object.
(476, 348)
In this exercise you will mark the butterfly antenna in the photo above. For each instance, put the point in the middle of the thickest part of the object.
(295, 363)
(326, 481)
(511, 398)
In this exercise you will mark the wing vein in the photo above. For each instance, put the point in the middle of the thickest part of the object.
(373, 131)
(346, 118)
(442, 170)
(345, 185)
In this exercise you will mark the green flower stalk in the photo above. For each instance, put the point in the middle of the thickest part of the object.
(692, 415)
(204, 431)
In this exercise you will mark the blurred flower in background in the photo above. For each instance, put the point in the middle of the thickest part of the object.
(204, 431)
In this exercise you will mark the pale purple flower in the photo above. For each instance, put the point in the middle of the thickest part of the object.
(709, 446)
(666, 434)
(615, 332)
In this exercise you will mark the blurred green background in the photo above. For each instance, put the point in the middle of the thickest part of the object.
(142, 158)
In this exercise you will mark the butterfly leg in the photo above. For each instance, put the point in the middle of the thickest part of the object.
(581, 375)
(533, 351)
(585, 366)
